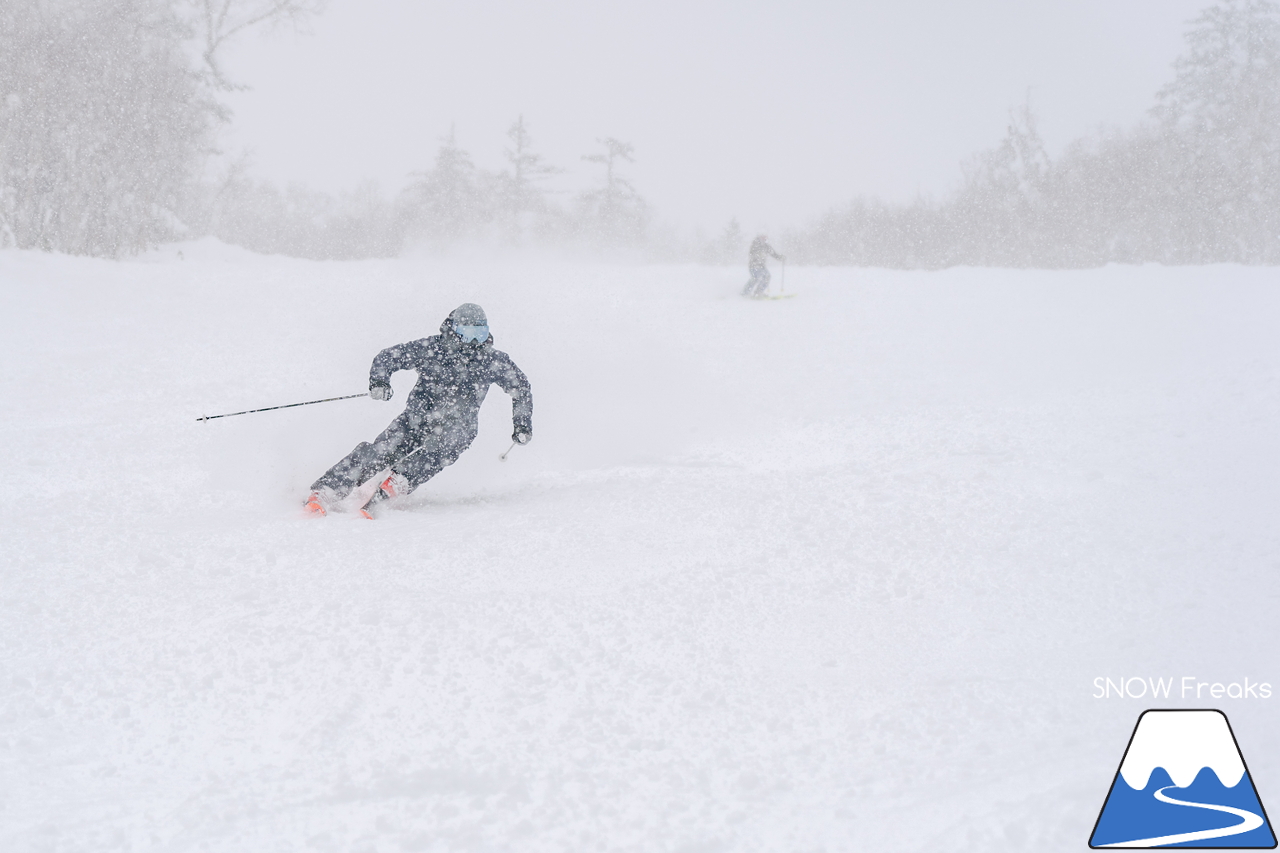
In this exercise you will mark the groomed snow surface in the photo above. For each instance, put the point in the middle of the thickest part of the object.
(830, 573)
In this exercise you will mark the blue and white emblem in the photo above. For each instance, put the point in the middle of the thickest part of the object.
(1183, 783)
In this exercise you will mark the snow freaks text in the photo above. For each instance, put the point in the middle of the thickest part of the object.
(1186, 687)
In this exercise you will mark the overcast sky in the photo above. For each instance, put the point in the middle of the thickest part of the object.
(771, 112)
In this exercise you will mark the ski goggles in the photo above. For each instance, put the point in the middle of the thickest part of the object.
(472, 334)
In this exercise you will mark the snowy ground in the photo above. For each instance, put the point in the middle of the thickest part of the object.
(833, 573)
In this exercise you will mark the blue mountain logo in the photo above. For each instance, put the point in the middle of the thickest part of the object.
(1183, 783)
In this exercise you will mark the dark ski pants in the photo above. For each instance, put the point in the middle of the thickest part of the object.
(759, 283)
(414, 446)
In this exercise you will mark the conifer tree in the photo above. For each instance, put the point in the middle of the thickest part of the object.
(448, 202)
(522, 196)
(613, 214)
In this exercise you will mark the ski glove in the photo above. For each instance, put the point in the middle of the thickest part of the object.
(523, 432)
(380, 392)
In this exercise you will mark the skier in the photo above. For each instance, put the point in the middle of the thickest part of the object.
(455, 369)
(758, 267)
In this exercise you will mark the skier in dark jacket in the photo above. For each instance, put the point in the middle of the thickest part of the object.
(440, 420)
(759, 267)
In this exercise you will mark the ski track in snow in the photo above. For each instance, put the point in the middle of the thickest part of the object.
(829, 572)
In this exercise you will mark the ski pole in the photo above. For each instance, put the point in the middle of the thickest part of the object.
(287, 406)
(784, 276)
(503, 457)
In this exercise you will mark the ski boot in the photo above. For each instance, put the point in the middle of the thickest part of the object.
(392, 487)
(319, 501)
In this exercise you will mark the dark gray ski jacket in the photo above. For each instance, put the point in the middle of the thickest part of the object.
(756, 254)
(453, 380)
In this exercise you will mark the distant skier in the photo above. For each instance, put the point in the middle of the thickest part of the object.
(758, 285)
(455, 369)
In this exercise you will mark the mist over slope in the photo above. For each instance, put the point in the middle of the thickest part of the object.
(834, 571)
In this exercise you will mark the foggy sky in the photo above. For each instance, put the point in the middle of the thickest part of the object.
(770, 112)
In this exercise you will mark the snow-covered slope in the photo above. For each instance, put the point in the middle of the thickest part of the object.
(833, 573)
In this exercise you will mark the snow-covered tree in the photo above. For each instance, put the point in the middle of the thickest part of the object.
(107, 116)
(613, 213)
(303, 222)
(102, 124)
(1221, 121)
(217, 22)
(1227, 84)
(1001, 208)
(522, 192)
(732, 245)
(452, 201)
(1198, 183)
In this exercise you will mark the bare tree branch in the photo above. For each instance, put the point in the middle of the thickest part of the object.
(220, 21)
